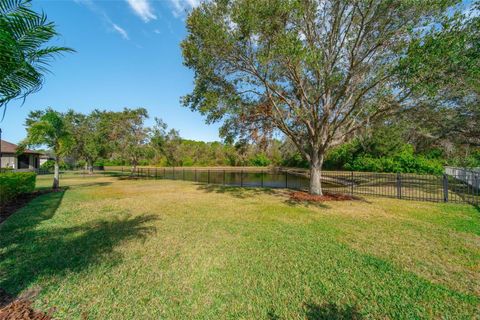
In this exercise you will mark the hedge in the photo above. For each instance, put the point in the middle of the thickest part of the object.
(402, 163)
(14, 184)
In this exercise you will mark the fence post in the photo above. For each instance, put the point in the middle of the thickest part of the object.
(286, 179)
(262, 178)
(476, 189)
(445, 188)
(399, 185)
(164, 172)
(351, 183)
(173, 173)
(224, 182)
(156, 173)
(183, 174)
(196, 175)
(241, 178)
(208, 176)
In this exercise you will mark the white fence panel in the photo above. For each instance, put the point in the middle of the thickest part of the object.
(470, 176)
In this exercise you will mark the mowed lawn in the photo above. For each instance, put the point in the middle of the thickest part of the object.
(108, 248)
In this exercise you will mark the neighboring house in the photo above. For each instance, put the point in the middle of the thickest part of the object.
(9, 158)
(44, 158)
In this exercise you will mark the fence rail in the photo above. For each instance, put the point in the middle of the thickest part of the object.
(445, 188)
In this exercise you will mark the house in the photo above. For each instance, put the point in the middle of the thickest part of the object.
(9, 158)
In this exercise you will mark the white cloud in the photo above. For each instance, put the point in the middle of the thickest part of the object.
(181, 6)
(143, 9)
(121, 31)
(104, 16)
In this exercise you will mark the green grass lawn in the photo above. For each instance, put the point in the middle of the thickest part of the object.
(145, 249)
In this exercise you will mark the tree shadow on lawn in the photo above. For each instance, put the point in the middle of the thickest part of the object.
(477, 207)
(77, 185)
(29, 253)
(327, 311)
(331, 311)
(234, 191)
(246, 192)
(91, 184)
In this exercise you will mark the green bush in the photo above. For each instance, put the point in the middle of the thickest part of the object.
(295, 161)
(259, 160)
(14, 184)
(48, 165)
(403, 163)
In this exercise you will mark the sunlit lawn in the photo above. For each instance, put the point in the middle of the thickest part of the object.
(145, 249)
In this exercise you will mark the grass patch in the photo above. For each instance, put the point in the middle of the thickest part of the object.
(121, 249)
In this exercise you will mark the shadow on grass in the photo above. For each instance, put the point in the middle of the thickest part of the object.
(77, 185)
(327, 311)
(237, 192)
(477, 207)
(91, 184)
(246, 192)
(330, 311)
(30, 252)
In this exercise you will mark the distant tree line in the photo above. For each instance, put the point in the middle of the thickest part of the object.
(122, 138)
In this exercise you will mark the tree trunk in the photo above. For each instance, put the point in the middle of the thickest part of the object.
(134, 166)
(90, 167)
(56, 175)
(316, 175)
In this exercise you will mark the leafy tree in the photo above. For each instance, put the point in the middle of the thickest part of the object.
(315, 70)
(48, 128)
(90, 134)
(173, 148)
(128, 135)
(24, 55)
(443, 70)
(158, 140)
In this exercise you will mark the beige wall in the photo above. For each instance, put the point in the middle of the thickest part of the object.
(9, 160)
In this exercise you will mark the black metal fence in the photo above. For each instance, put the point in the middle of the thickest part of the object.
(445, 188)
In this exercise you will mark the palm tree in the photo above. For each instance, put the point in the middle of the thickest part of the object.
(24, 57)
(48, 128)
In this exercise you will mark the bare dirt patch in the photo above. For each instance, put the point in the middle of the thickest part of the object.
(19, 308)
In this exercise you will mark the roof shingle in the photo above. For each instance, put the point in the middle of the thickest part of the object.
(8, 147)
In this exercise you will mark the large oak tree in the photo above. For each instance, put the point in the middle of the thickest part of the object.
(316, 70)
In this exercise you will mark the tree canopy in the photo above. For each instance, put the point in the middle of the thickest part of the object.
(317, 71)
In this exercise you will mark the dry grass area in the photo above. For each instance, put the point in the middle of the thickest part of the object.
(108, 248)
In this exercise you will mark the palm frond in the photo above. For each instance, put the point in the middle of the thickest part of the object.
(24, 56)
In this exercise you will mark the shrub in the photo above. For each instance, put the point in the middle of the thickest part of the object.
(259, 160)
(295, 161)
(48, 165)
(403, 163)
(14, 184)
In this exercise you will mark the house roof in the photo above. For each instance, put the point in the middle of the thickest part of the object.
(8, 147)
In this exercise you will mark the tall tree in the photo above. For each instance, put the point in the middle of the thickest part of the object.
(129, 135)
(315, 70)
(90, 135)
(24, 55)
(48, 128)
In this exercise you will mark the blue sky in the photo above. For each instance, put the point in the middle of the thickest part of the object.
(128, 55)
